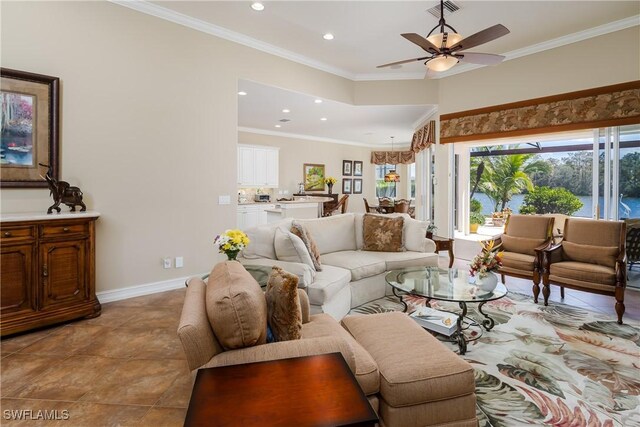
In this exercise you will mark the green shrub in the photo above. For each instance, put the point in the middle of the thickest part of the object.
(545, 200)
(475, 206)
(476, 218)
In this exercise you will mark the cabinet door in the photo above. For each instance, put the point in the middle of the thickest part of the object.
(242, 219)
(17, 294)
(246, 167)
(272, 167)
(261, 167)
(64, 272)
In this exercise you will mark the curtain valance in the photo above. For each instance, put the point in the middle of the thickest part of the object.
(424, 137)
(615, 105)
(393, 157)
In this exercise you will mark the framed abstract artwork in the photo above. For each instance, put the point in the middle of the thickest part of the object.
(313, 177)
(29, 130)
(357, 186)
(357, 168)
(347, 167)
(346, 185)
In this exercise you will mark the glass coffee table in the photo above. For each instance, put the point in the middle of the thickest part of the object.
(450, 285)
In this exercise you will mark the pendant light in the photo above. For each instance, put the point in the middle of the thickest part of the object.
(391, 176)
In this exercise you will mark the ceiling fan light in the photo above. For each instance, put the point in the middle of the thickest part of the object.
(442, 63)
(452, 38)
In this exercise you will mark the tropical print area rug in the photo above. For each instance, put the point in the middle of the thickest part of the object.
(556, 365)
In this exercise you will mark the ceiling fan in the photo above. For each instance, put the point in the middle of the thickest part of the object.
(447, 47)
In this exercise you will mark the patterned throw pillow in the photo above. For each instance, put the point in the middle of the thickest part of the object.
(382, 234)
(284, 313)
(300, 231)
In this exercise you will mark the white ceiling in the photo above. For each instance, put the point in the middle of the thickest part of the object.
(261, 109)
(367, 33)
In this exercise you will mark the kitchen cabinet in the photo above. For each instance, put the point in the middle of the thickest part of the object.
(258, 166)
(47, 264)
(252, 215)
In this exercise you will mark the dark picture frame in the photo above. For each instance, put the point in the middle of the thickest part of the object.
(347, 167)
(357, 167)
(30, 128)
(346, 185)
(357, 186)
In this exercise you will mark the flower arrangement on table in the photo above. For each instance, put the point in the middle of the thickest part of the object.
(487, 261)
(330, 181)
(231, 242)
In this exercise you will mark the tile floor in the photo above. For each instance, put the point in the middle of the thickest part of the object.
(127, 368)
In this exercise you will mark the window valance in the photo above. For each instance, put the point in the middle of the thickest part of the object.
(424, 137)
(393, 157)
(615, 105)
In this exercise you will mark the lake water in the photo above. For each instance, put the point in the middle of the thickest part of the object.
(516, 202)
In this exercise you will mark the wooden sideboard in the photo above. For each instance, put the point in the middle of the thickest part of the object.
(48, 270)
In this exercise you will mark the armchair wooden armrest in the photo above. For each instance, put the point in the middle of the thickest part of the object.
(550, 254)
(621, 269)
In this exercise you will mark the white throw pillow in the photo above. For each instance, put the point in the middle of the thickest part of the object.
(414, 234)
(261, 240)
(291, 248)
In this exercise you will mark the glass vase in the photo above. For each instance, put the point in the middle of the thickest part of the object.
(232, 255)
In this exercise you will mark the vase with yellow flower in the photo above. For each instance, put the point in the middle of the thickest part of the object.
(330, 181)
(231, 242)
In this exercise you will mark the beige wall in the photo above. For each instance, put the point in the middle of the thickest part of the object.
(295, 152)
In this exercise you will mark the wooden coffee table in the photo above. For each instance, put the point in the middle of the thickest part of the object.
(303, 391)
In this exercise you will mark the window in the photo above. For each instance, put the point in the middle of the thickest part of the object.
(412, 180)
(384, 189)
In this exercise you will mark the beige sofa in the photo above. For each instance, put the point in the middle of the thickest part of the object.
(350, 276)
(409, 377)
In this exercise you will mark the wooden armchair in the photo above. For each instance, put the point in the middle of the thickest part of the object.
(402, 206)
(369, 209)
(590, 258)
(523, 237)
(340, 206)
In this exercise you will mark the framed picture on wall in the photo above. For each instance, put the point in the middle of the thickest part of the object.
(357, 186)
(347, 167)
(357, 168)
(313, 177)
(346, 185)
(29, 133)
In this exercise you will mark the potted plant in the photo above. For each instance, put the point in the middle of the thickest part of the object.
(476, 219)
(431, 228)
(231, 242)
(484, 265)
(330, 181)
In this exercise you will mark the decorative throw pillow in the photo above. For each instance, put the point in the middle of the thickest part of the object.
(290, 247)
(283, 305)
(599, 255)
(300, 231)
(521, 245)
(414, 233)
(382, 234)
(236, 307)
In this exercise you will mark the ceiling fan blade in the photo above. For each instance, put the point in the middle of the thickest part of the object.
(402, 62)
(422, 42)
(480, 58)
(482, 37)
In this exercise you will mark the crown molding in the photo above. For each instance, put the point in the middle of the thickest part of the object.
(215, 30)
(426, 116)
(315, 138)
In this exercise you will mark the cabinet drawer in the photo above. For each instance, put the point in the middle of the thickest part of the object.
(64, 229)
(9, 234)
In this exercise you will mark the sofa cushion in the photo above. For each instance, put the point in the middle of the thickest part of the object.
(396, 260)
(518, 261)
(521, 245)
(261, 240)
(424, 370)
(284, 313)
(332, 234)
(529, 226)
(366, 372)
(599, 255)
(361, 264)
(583, 272)
(290, 247)
(382, 234)
(300, 231)
(236, 306)
(327, 284)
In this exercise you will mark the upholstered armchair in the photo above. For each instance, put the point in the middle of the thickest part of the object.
(590, 258)
(523, 236)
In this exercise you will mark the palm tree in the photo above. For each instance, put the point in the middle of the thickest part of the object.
(507, 175)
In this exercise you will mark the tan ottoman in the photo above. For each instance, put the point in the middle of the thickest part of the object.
(422, 383)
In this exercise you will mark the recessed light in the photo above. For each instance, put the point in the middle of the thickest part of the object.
(286, 111)
(328, 36)
(257, 6)
(324, 119)
(318, 101)
(242, 93)
(278, 126)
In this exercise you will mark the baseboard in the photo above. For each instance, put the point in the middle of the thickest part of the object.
(140, 290)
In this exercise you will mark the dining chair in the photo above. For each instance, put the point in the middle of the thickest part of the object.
(340, 206)
(369, 209)
(402, 206)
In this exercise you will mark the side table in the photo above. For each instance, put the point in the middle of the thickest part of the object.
(303, 391)
(444, 244)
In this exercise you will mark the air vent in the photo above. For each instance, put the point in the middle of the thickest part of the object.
(449, 8)
(284, 120)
